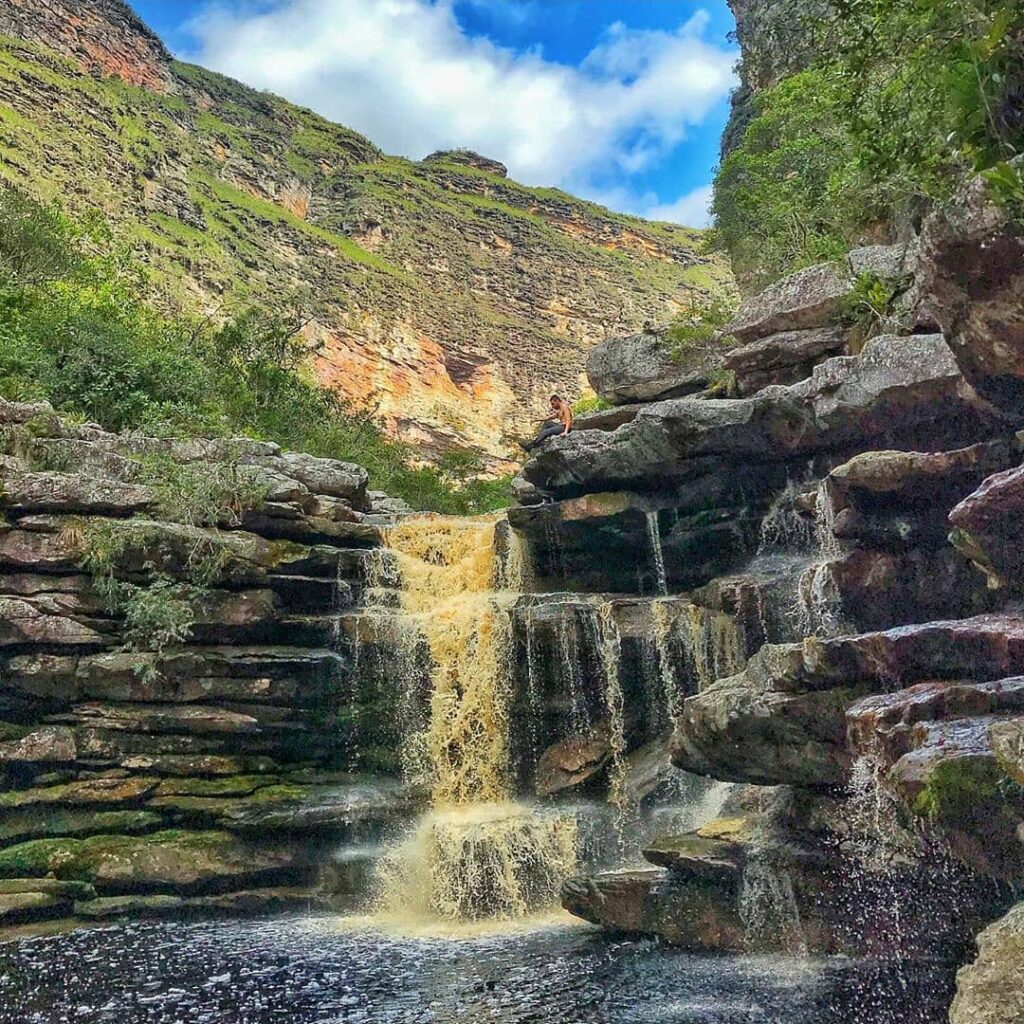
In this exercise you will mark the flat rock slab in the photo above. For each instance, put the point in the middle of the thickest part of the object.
(694, 856)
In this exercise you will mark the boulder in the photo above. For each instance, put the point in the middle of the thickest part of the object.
(783, 358)
(574, 763)
(809, 298)
(887, 262)
(745, 729)
(1007, 739)
(990, 990)
(643, 368)
(606, 419)
(692, 914)
(783, 719)
(23, 907)
(107, 908)
(322, 476)
(971, 280)
(52, 820)
(19, 413)
(899, 393)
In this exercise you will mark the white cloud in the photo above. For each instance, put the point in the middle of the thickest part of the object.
(693, 209)
(404, 73)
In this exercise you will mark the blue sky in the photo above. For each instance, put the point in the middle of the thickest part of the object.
(622, 101)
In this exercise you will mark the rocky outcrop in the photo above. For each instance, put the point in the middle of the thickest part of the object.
(213, 768)
(852, 536)
(972, 283)
(988, 528)
(898, 393)
(783, 358)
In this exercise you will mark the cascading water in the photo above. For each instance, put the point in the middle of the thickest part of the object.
(657, 552)
(476, 853)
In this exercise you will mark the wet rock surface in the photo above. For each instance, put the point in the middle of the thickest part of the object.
(990, 990)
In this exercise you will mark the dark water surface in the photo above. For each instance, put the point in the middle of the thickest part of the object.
(309, 971)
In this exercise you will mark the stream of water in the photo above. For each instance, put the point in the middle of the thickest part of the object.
(318, 970)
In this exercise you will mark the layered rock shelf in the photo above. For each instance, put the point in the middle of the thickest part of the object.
(223, 771)
(854, 515)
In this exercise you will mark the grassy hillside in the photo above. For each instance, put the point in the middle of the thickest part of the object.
(440, 294)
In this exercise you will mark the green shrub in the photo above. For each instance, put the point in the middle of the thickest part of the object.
(789, 195)
(700, 330)
(76, 329)
(907, 98)
(201, 493)
(590, 403)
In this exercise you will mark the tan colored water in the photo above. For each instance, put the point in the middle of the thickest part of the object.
(477, 853)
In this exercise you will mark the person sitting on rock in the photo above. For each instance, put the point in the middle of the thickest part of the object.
(557, 423)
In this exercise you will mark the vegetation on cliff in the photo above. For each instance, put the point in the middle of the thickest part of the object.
(902, 102)
(74, 330)
(440, 293)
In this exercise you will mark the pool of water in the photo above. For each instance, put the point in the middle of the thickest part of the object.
(319, 970)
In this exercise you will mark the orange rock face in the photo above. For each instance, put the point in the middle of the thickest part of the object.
(101, 35)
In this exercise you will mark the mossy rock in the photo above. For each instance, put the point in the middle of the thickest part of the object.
(91, 792)
(229, 785)
(175, 861)
(42, 823)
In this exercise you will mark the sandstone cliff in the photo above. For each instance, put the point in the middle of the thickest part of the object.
(445, 296)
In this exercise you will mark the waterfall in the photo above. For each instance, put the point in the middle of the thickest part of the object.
(768, 904)
(657, 553)
(819, 606)
(609, 652)
(711, 644)
(783, 527)
(476, 853)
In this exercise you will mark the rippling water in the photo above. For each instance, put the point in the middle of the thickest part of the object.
(312, 970)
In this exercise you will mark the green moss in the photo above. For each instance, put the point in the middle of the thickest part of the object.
(228, 785)
(262, 209)
(52, 821)
(959, 789)
(32, 859)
